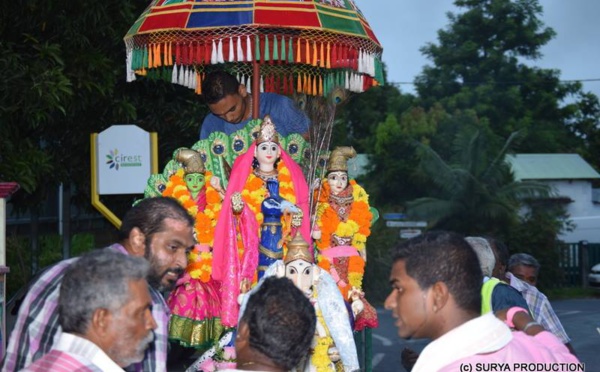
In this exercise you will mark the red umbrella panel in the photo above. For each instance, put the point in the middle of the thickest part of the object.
(296, 46)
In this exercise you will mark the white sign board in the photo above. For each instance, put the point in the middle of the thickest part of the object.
(406, 223)
(409, 233)
(123, 153)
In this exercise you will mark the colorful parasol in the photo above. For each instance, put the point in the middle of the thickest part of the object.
(309, 46)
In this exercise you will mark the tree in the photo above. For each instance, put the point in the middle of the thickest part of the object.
(479, 64)
(475, 190)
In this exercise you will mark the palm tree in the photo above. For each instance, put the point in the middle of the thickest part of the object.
(472, 195)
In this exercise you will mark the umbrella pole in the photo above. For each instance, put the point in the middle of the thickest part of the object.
(255, 89)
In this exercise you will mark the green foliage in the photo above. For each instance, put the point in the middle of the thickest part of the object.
(536, 234)
(479, 64)
(377, 271)
(18, 256)
(475, 191)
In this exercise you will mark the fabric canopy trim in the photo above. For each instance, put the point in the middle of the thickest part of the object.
(328, 42)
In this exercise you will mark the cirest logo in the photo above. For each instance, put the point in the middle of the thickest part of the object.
(115, 160)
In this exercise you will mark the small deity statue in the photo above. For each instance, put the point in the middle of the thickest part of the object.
(343, 221)
(333, 347)
(264, 172)
(195, 301)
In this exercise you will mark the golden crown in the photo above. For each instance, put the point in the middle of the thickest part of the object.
(267, 132)
(338, 160)
(298, 250)
(191, 161)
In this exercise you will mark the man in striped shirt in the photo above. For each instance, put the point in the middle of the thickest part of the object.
(157, 229)
(104, 310)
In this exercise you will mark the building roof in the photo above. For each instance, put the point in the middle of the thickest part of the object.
(551, 167)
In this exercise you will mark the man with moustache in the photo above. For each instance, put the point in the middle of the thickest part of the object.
(104, 309)
(157, 229)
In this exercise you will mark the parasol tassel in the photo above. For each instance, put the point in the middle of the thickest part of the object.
(322, 55)
(192, 79)
(207, 53)
(334, 57)
(240, 51)
(307, 52)
(347, 81)
(290, 51)
(248, 49)
(283, 54)
(320, 85)
(314, 59)
(249, 85)
(231, 56)
(257, 48)
(275, 49)
(299, 85)
(298, 51)
(262, 84)
(174, 75)
(150, 56)
(220, 58)
(213, 54)
(198, 89)
(267, 55)
(328, 61)
(130, 74)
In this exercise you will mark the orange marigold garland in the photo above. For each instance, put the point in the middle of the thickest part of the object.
(358, 226)
(255, 190)
(200, 263)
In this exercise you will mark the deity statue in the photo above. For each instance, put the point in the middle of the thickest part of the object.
(333, 348)
(343, 220)
(195, 301)
(265, 189)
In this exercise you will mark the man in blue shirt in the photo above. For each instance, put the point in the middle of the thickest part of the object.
(231, 108)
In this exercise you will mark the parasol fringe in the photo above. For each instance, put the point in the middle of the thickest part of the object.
(275, 49)
(150, 57)
(220, 58)
(307, 52)
(240, 51)
(256, 48)
(328, 62)
(298, 50)
(267, 55)
(249, 85)
(174, 74)
(248, 49)
(231, 56)
(130, 74)
(262, 84)
(322, 55)
(213, 54)
(291, 50)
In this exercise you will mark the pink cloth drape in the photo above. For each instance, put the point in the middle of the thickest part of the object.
(226, 266)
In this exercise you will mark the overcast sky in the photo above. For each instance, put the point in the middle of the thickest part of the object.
(404, 26)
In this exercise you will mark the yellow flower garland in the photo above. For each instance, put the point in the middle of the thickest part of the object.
(320, 356)
(200, 263)
(358, 226)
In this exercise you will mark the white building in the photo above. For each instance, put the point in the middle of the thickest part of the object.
(571, 179)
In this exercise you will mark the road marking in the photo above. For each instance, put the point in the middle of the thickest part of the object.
(384, 340)
(376, 359)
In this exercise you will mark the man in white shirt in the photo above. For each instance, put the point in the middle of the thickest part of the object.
(105, 313)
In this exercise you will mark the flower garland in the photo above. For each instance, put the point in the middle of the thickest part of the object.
(255, 190)
(320, 356)
(357, 226)
(200, 261)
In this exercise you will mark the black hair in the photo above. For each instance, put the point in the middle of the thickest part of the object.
(217, 85)
(149, 215)
(281, 321)
(441, 256)
(500, 250)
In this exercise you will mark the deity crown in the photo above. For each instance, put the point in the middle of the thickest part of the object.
(267, 132)
(338, 160)
(191, 160)
(298, 250)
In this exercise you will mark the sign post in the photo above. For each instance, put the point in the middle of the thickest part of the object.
(122, 159)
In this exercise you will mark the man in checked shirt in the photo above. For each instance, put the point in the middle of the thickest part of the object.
(157, 229)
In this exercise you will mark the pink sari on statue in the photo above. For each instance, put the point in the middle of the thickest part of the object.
(227, 268)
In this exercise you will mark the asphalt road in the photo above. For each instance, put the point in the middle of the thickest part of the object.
(580, 318)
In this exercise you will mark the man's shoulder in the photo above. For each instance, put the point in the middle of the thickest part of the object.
(57, 360)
